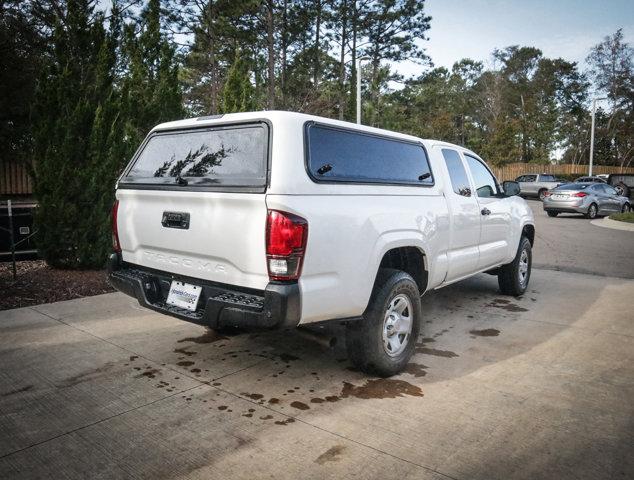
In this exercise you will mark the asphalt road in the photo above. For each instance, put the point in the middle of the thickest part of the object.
(570, 243)
(538, 387)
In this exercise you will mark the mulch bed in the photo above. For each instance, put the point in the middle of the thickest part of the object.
(38, 283)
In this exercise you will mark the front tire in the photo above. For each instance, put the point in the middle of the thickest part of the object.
(383, 342)
(513, 277)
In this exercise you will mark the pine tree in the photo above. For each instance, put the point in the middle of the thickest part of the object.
(151, 92)
(65, 112)
(237, 95)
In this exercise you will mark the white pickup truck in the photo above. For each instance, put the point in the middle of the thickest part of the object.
(279, 219)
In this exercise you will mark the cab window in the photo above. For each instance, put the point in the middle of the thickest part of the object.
(484, 181)
(457, 173)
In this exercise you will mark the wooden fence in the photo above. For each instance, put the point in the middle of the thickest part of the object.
(14, 179)
(513, 170)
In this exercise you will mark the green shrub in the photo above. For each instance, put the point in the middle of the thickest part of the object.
(623, 217)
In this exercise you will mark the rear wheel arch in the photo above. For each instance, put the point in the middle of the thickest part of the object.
(409, 259)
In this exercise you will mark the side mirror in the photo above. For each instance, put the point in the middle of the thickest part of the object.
(511, 188)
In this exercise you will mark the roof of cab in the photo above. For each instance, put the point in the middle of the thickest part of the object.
(277, 115)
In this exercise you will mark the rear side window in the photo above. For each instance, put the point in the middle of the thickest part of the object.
(336, 155)
(221, 156)
(457, 173)
(548, 178)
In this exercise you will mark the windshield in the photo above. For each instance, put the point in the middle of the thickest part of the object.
(223, 156)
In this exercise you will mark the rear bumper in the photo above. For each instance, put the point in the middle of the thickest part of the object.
(219, 305)
(575, 206)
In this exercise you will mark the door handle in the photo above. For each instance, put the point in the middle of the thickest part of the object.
(485, 211)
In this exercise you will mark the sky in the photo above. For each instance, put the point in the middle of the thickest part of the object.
(560, 28)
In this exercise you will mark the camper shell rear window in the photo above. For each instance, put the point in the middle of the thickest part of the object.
(211, 157)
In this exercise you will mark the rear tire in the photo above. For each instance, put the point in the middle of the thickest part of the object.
(622, 189)
(514, 277)
(371, 347)
(592, 212)
(552, 214)
(626, 208)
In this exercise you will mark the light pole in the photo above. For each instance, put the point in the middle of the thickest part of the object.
(594, 111)
(358, 67)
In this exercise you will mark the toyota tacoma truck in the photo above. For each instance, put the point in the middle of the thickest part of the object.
(279, 219)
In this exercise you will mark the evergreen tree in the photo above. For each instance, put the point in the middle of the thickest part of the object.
(65, 112)
(237, 95)
(151, 92)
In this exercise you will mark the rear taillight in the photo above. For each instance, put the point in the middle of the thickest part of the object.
(116, 246)
(286, 236)
(547, 194)
(580, 194)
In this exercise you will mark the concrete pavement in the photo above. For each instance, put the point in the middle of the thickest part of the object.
(500, 388)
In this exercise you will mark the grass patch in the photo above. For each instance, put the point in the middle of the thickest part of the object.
(623, 217)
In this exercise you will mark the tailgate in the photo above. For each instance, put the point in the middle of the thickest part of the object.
(224, 241)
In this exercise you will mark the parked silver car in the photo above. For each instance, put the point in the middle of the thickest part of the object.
(590, 199)
(535, 185)
(596, 179)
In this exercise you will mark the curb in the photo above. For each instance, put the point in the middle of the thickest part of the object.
(613, 224)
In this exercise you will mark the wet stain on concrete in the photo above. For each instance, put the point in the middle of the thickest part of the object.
(300, 405)
(331, 398)
(505, 304)
(17, 390)
(184, 351)
(210, 336)
(274, 401)
(253, 396)
(380, 388)
(133, 357)
(317, 400)
(266, 417)
(195, 370)
(420, 348)
(222, 407)
(285, 422)
(331, 455)
(151, 373)
(428, 340)
(87, 375)
(185, 363)
(287, 357)
(415, 369)
(487, 332)
(248, 415)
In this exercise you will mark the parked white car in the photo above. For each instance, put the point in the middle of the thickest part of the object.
(278, 219)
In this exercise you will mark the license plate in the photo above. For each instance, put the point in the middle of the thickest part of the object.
(184, 295)
(560, 197)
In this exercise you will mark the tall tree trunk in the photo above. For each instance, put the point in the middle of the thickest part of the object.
(316, 70)
(213, 105)
(284, 49)
(353, 68)
(271, 51)
(342, 57)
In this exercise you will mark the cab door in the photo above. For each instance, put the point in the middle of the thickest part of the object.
(495, 215)
(465, 218)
